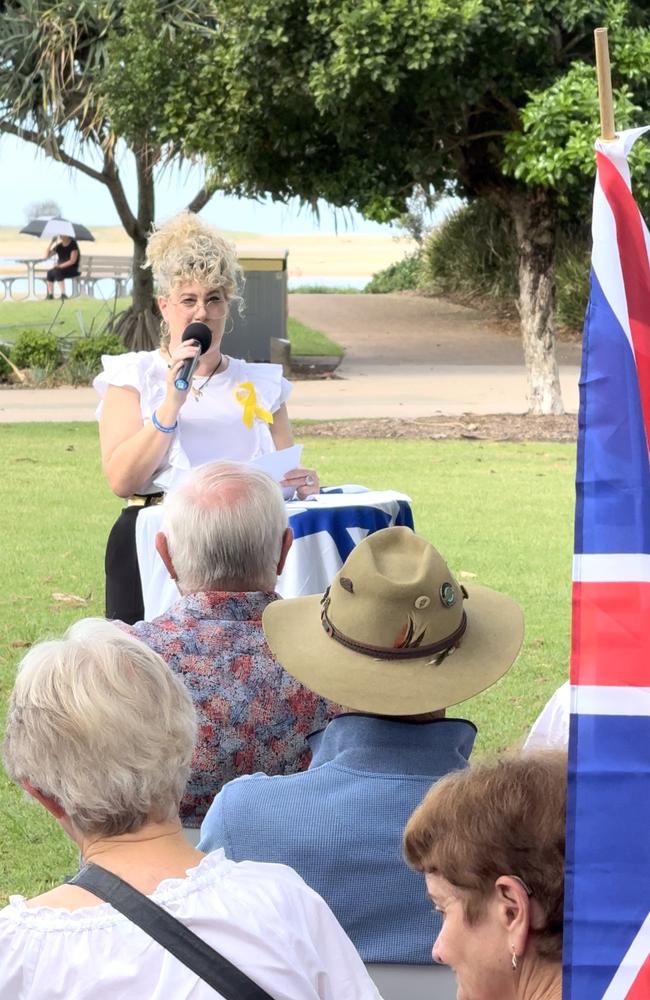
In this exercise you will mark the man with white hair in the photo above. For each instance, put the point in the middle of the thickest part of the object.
(224, 541)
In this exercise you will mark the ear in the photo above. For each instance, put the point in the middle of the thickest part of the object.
(162, 305)
(162, 548)
(46, 801)
(514, 907)
(287, 542)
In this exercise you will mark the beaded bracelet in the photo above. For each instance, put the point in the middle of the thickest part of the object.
(162, 427)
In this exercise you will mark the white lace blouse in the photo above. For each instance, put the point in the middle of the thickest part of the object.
(262, 917)
(209, 428)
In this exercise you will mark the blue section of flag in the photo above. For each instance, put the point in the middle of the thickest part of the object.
(613, 477)
(365, 517)
(607, 888)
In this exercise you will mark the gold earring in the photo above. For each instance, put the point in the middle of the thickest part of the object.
(514, 959)
(232, 326)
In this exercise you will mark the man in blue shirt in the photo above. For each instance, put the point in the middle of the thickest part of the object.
(396, 639)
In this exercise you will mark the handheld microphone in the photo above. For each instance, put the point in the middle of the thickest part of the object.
(200, 334)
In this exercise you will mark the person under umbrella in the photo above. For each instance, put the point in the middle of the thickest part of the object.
(67, 266)
(63, 242)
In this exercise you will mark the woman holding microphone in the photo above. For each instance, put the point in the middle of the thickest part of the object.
(152, 432)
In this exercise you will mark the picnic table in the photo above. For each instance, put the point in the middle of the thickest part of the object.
(94, 268)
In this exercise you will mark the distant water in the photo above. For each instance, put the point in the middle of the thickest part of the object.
(105, 289)
(347, 281)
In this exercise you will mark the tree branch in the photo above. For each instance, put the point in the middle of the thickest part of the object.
(200, 200)
(111, 178)
(465, 140)
(56, 152)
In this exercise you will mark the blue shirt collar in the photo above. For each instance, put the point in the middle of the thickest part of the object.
(372, 743)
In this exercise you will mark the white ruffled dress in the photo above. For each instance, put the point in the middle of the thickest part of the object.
(209, 428)
(262, 917)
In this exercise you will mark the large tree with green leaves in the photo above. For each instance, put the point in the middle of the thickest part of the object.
(357, 101)
(78, 76)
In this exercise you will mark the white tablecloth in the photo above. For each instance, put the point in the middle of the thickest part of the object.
(550, 730)
(325, 530)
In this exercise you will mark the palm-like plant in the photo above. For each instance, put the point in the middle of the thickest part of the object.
(83, 74)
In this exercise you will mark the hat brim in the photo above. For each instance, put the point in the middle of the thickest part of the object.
(495, 631)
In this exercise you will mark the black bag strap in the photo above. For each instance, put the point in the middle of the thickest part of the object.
(184, 944)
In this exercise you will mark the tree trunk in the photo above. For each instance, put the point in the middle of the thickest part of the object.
(139, 325)
(535, 219)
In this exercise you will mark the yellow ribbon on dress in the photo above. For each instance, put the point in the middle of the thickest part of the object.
(245, 394)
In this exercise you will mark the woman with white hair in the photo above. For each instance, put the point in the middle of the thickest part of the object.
(100, 732)
(152, 432)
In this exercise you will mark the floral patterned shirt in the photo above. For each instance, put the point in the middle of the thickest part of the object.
(252, 715)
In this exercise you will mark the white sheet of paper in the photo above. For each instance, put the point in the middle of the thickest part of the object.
(276, 463)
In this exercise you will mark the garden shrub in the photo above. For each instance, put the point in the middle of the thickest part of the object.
(472, 253)
(77, 373)
(403, 276)
(5, 369)
(36, 349)
(87, 353)
(572, 280)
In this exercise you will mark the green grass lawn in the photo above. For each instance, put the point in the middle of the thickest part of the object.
(500, 513)
(78, 315)
(305, 341)
(71, 318)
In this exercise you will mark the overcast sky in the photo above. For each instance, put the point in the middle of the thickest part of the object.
(26, 176)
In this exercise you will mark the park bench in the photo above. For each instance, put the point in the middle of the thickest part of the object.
(7, 282)
(96, 268)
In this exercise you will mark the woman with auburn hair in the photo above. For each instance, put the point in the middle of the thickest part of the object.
(151, 431)
(490, 841)
(100, 732)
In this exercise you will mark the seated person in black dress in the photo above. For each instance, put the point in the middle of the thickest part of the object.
(68, 260)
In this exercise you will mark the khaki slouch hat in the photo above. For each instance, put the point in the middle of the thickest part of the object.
(395, 633)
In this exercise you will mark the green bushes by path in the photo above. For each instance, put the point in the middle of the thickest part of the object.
(78, 327)
(405, 275)
(500, 513)
(472, 255)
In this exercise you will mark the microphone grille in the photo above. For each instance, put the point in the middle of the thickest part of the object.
(199, 332)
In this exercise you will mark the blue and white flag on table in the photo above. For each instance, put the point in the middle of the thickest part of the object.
(325, 528)
(607, 896)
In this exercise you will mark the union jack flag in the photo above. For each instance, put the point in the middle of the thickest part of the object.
(607, 899)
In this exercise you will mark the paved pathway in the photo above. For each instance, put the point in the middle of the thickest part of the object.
(406, 356)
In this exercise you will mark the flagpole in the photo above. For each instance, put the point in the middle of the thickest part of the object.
(605, 100)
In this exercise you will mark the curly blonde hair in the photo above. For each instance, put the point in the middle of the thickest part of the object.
(186, 249)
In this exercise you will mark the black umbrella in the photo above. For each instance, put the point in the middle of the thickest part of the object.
(57, 227)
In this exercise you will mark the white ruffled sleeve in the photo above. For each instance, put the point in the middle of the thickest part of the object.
(271, 387)
(137, 370)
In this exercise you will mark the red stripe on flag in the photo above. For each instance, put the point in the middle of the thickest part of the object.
(636, 272)
(610, 638)
(640, 989)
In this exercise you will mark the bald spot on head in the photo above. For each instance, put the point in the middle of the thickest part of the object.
(226, 493)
